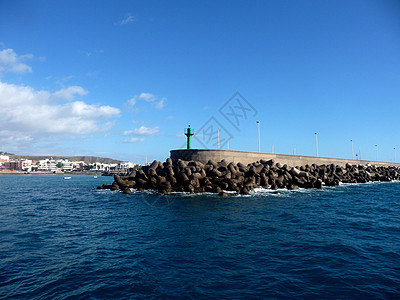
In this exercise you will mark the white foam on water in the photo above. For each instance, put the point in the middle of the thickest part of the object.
(255, 192)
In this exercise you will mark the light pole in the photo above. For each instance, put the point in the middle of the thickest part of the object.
(316, 142)
(258, 123)
(376, 152)
(352, 149)
(394, 154)
(218, 137)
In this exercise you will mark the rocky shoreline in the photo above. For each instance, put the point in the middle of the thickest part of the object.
(218, 177)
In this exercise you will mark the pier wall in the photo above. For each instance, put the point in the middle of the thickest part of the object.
(246, 157)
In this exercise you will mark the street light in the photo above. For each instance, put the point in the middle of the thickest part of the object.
(258, 123)
(316, 142)
(394, 154)
(376, 152)
(352, 149)
(218, 137)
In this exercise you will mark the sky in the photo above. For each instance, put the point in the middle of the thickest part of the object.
(123, 79)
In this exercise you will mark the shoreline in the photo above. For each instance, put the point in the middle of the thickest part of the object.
(48, 173)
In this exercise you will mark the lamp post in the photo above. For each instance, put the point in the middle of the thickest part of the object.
(394, 154)
(316, 142)
(352, 149)
(376, 146)
(258, 123)
(218, 138)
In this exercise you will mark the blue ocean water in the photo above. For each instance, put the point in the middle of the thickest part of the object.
(63, 239)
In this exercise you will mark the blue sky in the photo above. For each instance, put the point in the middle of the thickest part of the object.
(122, 79)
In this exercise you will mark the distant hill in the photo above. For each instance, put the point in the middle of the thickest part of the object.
(86, 159)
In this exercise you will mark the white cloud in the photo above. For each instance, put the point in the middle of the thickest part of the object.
(127, 20)
(143, 131)
(97, 51)
(81, 109)
(70, 92)
(160, 104)
(134, 140)
(28, 115)
(11, 62)
(150, 98)
(179, 134)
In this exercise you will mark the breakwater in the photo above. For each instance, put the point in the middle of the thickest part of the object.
(218, 177)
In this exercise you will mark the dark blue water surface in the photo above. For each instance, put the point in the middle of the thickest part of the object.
(65, 239)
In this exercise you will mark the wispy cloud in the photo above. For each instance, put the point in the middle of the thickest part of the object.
(143, 131)
(158, 103)
(70, 92)
(12, 62)
(134, 140)
(90, 53)
(61, 80)
(127, 20)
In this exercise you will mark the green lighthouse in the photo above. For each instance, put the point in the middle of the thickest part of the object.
(189, 132)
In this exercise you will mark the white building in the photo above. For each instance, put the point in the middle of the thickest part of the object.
(4, 158)
(78, 164)
(68, 166)
(26, 165)
(97, 166)
(47, 165)
(126, 165)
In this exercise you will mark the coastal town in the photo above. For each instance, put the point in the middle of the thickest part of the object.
(62, 165)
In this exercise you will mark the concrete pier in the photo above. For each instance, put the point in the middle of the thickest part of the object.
(246, 157)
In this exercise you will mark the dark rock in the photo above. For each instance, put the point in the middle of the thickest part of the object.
(222, 163)
(154, 165)
(121, 183)
(244, 191)
(240, 165)
(318, 184)
(271, 163)
(216, 189)
(168, 162)
(127, 191)
(181, 164)
(212, 163)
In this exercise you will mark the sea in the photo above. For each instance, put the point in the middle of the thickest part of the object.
(64, 239)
